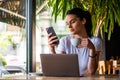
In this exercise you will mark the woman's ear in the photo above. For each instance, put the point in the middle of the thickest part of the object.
(83, 21)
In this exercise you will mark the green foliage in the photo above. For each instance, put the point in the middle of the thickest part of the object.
(5, 40)
(2, 59)
(104, 12)
(60, 7)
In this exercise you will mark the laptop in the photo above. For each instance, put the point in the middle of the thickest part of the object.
(60, 65)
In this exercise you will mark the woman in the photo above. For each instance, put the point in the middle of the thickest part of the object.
(80, 25)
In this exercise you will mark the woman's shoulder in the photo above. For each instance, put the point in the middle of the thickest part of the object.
(95, 39)
(68, 37)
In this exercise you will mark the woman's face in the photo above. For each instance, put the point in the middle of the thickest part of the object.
(75, 25)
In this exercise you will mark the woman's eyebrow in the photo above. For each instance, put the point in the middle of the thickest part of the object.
(70, 20)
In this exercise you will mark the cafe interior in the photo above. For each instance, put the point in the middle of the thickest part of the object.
(23, 36)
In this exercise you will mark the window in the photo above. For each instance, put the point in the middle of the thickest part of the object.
(13, 33)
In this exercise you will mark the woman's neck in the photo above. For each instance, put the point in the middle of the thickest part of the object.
(82, 34)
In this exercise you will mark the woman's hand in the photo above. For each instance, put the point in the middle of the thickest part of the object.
(52, 41)
(85, 42)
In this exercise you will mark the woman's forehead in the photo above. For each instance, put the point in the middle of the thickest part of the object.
(70, 16)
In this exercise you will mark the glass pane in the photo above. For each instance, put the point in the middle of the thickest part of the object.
(12, 34)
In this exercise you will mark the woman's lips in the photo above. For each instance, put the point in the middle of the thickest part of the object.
(71, 30)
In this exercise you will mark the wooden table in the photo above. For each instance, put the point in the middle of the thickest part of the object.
(27, 77)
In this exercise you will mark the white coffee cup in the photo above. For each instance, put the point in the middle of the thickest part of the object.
(75, 41)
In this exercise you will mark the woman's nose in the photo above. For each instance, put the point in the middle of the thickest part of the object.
(69, 26)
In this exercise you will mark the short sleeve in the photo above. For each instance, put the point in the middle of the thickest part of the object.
(61, 46)
(97, 43)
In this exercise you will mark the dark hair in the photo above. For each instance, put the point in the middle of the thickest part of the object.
(83, 14)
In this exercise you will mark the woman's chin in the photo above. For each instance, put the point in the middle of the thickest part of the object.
(72, 32)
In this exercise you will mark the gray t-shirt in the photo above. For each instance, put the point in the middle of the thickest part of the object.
(66, 46)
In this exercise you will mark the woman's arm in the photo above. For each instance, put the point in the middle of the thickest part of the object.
(93, 59)
(93, 62)
(93, 56)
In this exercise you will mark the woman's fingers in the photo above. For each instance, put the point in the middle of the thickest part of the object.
(52, 40)
(84, 42)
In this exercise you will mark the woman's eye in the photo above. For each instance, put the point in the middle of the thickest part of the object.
(73, 21)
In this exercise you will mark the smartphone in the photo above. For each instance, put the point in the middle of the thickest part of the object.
(51, 30)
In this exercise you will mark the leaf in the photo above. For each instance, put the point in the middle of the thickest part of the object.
(64, 9)
(109, 33)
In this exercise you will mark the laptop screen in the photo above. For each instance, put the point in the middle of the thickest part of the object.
(60, 64)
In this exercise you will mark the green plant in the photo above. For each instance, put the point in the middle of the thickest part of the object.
(2, 59)
(5, 40)
(104, 12)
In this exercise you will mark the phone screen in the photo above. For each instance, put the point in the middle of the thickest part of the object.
(51, 30)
